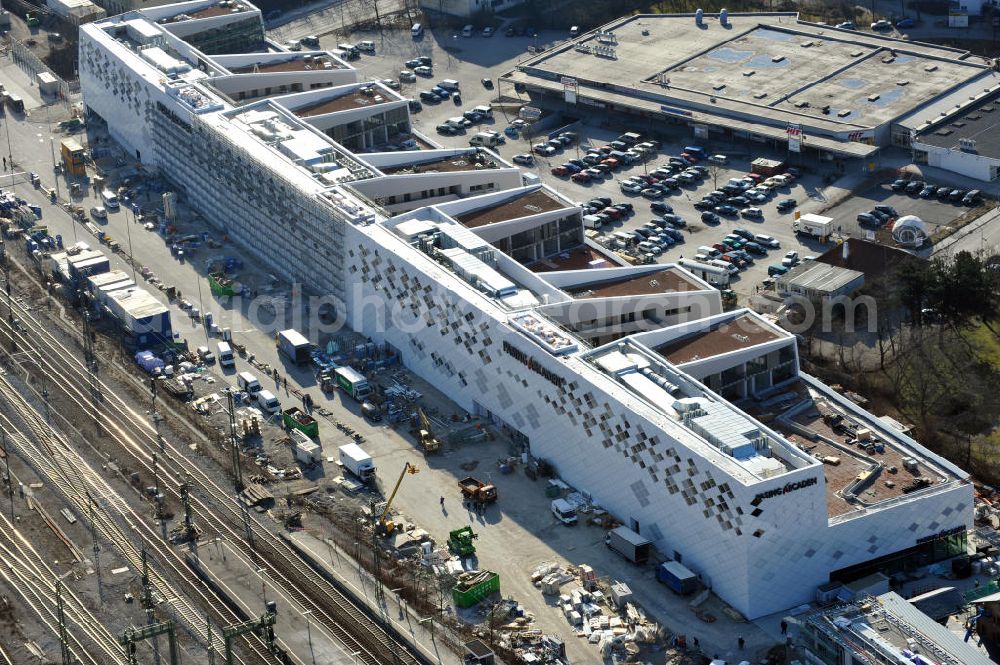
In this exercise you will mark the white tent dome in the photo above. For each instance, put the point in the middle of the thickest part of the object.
(909, 230)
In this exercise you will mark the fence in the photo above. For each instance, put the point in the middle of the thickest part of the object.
(32, 65)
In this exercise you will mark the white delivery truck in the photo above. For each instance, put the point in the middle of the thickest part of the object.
(813, 225)
(247, 382)
(267, 402)
(485, 140)
(225, 355)
(357, 461)
(564, 511)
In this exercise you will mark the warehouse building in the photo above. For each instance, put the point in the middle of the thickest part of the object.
(694, 426)
(818, 281)
(767, 78)
(966, 142)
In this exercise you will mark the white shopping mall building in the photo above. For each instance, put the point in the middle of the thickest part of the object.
(692, 425)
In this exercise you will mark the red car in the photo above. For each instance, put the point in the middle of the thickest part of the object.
(611, 163)
(756, 177)
(719, 246)
(689, 158)
(613, 213)
(581, 177)
(559, 170)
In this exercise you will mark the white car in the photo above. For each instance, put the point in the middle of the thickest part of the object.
(99, 212)
(392, 84)
(767, 241)
(406, 76)
(423, 70)
(206, 355)
(543, 149)
(630, 187)
(752, 213)
(721, 160)
(523, 159)
(487, 31)
(791, 259)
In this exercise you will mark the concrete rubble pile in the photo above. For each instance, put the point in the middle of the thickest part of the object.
(604, 614)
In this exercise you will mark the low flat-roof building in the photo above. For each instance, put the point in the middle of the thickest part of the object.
(874, 630)
(966, 142)
(818, 281)
(769, 78)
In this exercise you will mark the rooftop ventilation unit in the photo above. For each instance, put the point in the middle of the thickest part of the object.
(930, 68)
(724, 18)
(967, 145)
(699, 17)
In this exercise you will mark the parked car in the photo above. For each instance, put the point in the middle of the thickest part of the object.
(488, 83)
(487, 31)
(943, 193)
(881, 25)
(660, 207)
(406, 76)
(543, 149)
(791, 259)
(868, 218)
(727, 210)
(752, 213)
(887, 210)
(784, 205)
(766, 241)
(755, 248)
(524, 159)
(915, 187)
(972, 198)
(423, 70)
(956, 195)
(99, 212)
(652, 193)
(446, 129)
(928, 192)
(899, 185)
(581, 177)
(710, 218)
(905, 22)
(415, 106)
(846, 25)
(413, 64)
(560, 170)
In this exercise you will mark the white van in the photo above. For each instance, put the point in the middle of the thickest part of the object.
(564, 511)
(268, 402)
(449, 84)
(709, 251)
(247, 382)
(591, 222)
(486, 111)
(467, 31)
(721, 160)
(225, 355)
(725, 265)
(367, 46)
(416, 30)
(485, 140)
(110, 199)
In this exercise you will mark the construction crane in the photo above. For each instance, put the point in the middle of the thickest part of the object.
(385, 525)
(425, 434)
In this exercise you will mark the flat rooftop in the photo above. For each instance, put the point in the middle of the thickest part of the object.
(294, 64)
(736, 334)
(583, 257)
(663, 281)
(533, 203)
(473, 161)
(769, 65)
(834, 431)
(821, 277)
(981, 125)
(350, 101)
(221, 8)
(886, 629)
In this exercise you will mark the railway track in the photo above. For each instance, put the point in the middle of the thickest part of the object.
(27, 574)
(130, 430)
(54, 459)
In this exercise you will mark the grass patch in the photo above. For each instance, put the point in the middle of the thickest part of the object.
(986, 344)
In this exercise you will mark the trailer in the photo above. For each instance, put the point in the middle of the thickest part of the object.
(714, 275)
(295, 418)
(680, 580)
(477, 490)
(308, 452)
(629, 544)
(294, 346)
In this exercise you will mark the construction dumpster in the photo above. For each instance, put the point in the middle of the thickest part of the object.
(296, 418)
(473, 587)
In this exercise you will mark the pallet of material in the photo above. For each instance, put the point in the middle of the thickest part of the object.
(256, 494)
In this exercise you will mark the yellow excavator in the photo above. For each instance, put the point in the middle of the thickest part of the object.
(386, 526)
(425, 435)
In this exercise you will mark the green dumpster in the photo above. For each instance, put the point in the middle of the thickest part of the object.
(473, 587)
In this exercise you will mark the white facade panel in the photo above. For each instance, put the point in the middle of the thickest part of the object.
(966, 164)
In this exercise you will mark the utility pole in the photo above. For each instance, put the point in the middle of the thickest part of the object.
(97, 548)
(7, 476)
(156, 490)
(211, 644)
(185, 491)
(233, 444)
(147, 589)
(67, 658)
